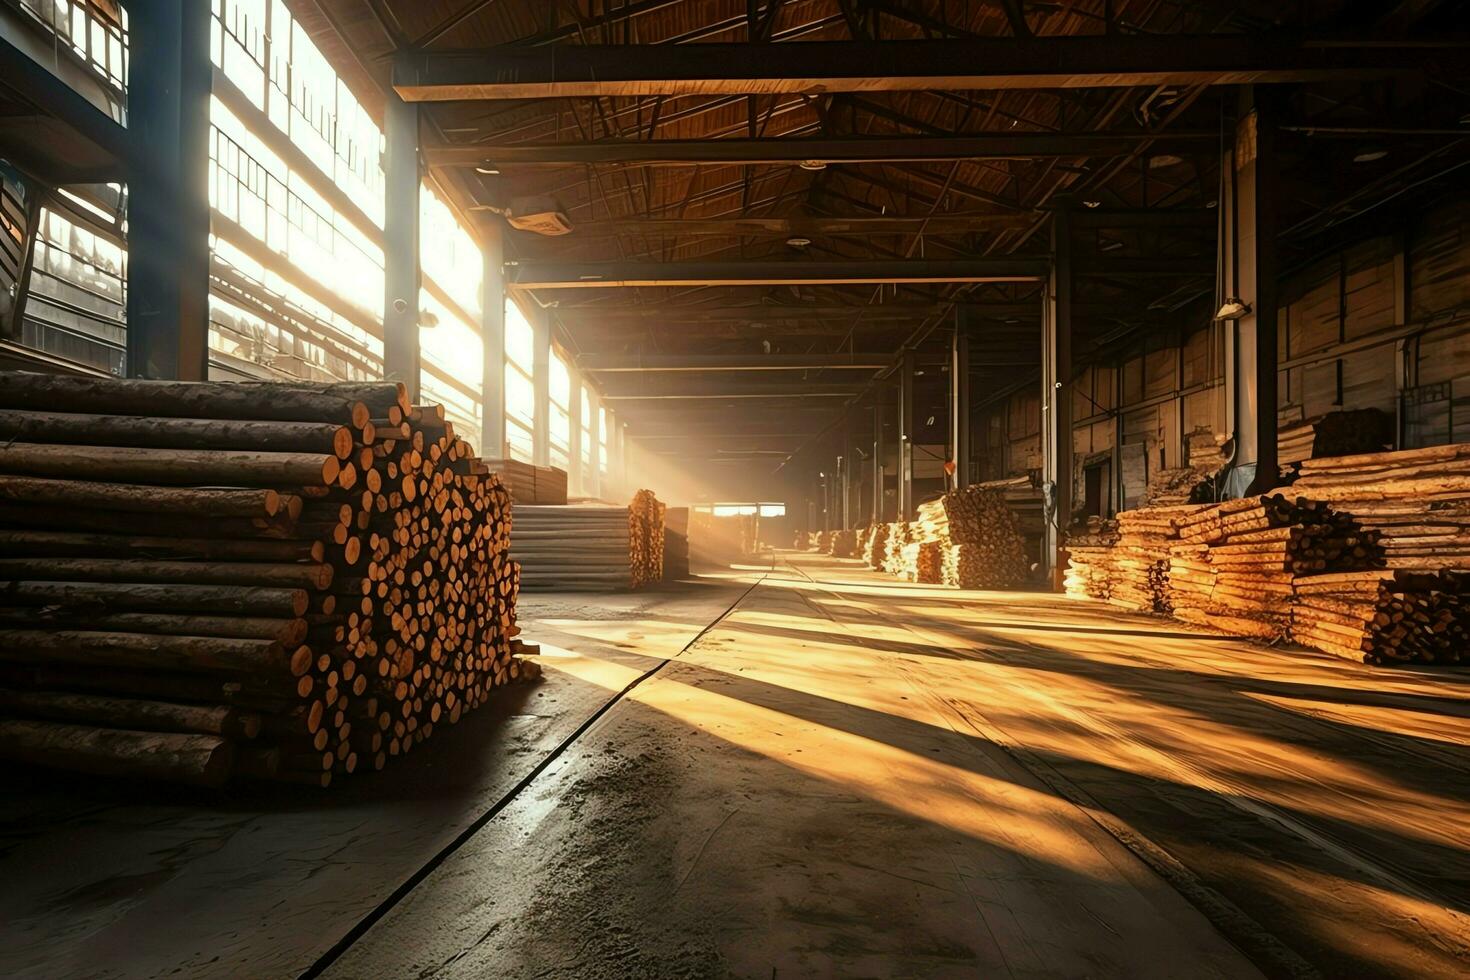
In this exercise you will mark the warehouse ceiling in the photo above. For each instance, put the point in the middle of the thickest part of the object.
(758, 231)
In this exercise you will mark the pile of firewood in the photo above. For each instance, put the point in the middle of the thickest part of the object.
(205, 581)
(843, 543)
(1025, 501)
(645, 539)
(921, 561)
(875, 550)
(1090, 559)
(899, 534)
(824, 542)
(976, 537)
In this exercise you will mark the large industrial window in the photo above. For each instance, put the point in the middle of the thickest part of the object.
(520, 391)
(559, 386)
(589, 447)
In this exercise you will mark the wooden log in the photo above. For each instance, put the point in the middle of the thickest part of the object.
(287, 632)
(82, 544)
(186, 467)
(150, 499)
(200, 760)
(144, 650)
(140, 715)
(160, 524)
(275, 603)
(246, 400)
(265, 574)
(176, 433)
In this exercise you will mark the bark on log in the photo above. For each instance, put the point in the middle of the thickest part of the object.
(272, 575)
(65, 544)
(143, 650)
(140, 715)
(183, 467)
(277, 603)
(150, 499)
(287, 632)
(176, 433)
(201, 760)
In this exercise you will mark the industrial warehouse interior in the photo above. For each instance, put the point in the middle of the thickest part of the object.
(680, 489)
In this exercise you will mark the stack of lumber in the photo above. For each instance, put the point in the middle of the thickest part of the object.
(844, 544)
(1202, 451)
(1025, 501)
(1090, 559)
(676, 543)
(921, 561)
(1141, 559)
(875, 551)
(530, 484)
(978, 537)
(900, 533)
(1417, 499)
(1344, 433)
(1385, 616)
(205, 581)
(1294, 442)
(1168, 488)
(578, 548)
(645, 539)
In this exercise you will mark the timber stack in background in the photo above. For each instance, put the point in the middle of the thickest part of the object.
(645, 539)
(1364, 556)
(529, 484)
(203, 581)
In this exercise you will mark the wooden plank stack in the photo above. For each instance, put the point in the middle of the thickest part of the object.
(207, 581)
(1386, 616)
(530, 484)
(645, 539)
(899, 534)
(977, 537)
(577, 548)
(875, 551)
(1141, 560)
(1417, 499)
(921, 561)
(1090, 559)
(1025, 501)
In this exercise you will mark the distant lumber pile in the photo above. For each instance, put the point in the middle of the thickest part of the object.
(206, 581)
(843, 544)
(530, 484)
(875, 550)
(645, 539)
(967, 538)
(1090, 550)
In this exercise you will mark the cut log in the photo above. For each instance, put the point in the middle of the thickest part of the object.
(200, 760)
(202, 653)
(271, 575)
(176, 433)
(180, 467)
(277, 603)
(151, 499)
(140, 715)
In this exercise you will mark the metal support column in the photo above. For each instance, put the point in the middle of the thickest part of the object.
(541, 386)
(906, 437)
(168, 191)
(1251, 389)
(1056, 395)
(492, 338)
(877, 464)
(959, 400)
(593, 479)
(576, 478)
(401, 271)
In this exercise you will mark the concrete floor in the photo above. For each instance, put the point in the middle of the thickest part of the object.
(845, 776)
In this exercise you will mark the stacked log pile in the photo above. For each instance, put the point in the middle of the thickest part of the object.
(824, 542)
(1417, 499)
(676, 543)
(1090, 559)
(573, 548)
(1386, 616)
(899, 534)
(978, 537)
(921, 561)
(208, 581)
(645, 539)
(1344, 433)
(1025, 501)
(843, 543)
(1141, 559)
(875, 552)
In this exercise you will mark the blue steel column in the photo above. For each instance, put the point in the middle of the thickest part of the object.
(168, 190)
(401, 272)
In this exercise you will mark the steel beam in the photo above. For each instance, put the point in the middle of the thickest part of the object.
(959, 400)
(796, 226)
(168, 193)
(784, 393)
(804, 67)
(624, 363)
(402, 275)
(906, 436)
(750, 313)
(851, 149)
(595, 275)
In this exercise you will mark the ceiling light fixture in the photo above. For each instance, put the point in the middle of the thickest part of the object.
(1164, 160)
(796, 241)
(813, 165)
(1370, 155)
(1092, 204)
(1234, 308)
(488, 169)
